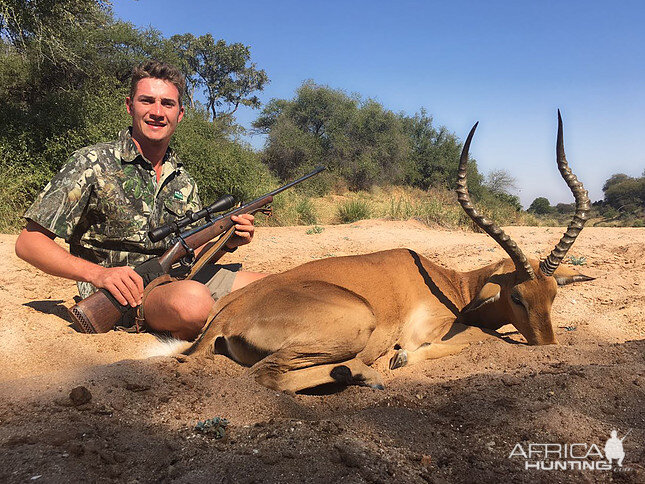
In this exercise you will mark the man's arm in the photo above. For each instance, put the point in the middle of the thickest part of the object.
(36, 246)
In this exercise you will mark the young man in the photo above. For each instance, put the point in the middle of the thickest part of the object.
(106, 198)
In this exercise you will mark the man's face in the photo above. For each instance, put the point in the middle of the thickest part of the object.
(155, 111)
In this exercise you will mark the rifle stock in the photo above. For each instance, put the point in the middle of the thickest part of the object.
(100, 312)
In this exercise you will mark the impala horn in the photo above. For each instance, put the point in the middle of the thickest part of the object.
(519, 259)
(551, 263)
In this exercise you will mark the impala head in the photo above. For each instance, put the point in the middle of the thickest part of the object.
(521, 291)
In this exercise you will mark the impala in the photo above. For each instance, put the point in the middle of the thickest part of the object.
(328, 320)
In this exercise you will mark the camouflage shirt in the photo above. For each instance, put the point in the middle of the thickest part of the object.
(106, 198)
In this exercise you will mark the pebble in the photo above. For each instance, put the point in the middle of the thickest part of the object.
(80, 396)
(270, 458)
(348, 456)
(137, 387)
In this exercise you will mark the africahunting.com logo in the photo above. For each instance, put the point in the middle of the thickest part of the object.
(579, 456)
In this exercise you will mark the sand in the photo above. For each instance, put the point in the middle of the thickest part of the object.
(456, 419)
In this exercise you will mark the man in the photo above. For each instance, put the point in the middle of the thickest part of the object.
(106, 198)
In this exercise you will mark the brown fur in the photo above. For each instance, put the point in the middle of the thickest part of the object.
(328, 320)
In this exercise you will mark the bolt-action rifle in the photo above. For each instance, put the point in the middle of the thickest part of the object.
(100, 312)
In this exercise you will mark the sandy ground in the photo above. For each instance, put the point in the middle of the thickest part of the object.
(451, 420)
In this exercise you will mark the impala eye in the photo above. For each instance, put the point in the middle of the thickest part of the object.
(516, 299)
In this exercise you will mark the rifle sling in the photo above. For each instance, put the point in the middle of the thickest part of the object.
(167, 278)
(206, 257)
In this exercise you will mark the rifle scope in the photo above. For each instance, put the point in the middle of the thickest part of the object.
(224, 203)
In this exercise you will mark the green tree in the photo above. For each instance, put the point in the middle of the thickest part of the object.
(540, 205)
(624, 193)
(224, 71)
(357, 140)
(435, 153)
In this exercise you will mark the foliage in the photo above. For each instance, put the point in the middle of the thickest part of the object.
(624, 193)
(64, 73)
(435, 156)
(500, 181)
(361, 142)
(224, 71)
(540, 205)
(577, 261)
(565, 208)
(353, 210)
(434, 207)
(219, 166)
(315, 230)
(306, 212)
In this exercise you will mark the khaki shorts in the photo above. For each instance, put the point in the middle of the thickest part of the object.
(217, 277)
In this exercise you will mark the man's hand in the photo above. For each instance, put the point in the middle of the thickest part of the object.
(244, 230)
(123, 283)
(36, 246)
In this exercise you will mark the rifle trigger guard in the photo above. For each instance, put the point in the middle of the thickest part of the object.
(189, 258)
(268, 211)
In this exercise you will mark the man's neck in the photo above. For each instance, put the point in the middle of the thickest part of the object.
(153, 152)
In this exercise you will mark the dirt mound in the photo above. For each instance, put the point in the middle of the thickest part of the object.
(451, 420)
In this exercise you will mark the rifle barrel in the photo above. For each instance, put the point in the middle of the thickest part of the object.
(295, 182)
(243, 207)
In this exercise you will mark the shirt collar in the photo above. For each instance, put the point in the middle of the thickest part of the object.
(131, 154)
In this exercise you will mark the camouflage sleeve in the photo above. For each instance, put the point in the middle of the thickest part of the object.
(193, 201)
(61, 204)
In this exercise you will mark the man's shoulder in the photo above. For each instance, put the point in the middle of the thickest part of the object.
(104, 152)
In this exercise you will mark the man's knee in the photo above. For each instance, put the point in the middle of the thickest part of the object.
(191, 301)
(180, 307)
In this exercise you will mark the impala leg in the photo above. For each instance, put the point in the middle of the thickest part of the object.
(456, 337)
(427, 351)
(280, 373)
(352, 372)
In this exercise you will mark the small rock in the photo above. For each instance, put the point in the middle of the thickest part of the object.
(137, 387)
(426, 460)
(288, 454)
(103, 410)
(76, 449)
(348, 456)
(107, 456)
(270, 458)
(80, 396)
(174, 471)
(17, 440)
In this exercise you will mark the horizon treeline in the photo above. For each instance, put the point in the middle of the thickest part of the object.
(64, 75)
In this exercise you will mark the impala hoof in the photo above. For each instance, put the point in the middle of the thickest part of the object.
(399, 359)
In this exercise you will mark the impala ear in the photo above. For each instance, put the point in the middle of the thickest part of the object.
(565, 275)
(488, 294)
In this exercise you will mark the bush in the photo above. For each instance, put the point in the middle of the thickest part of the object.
(541, 206)
(353, 210)
(306, 212)
(218, 165)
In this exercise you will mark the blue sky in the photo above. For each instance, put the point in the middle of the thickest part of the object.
(507, 64)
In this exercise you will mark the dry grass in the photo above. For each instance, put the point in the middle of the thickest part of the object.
(435, 208)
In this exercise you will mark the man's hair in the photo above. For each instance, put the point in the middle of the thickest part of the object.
(158, 70)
